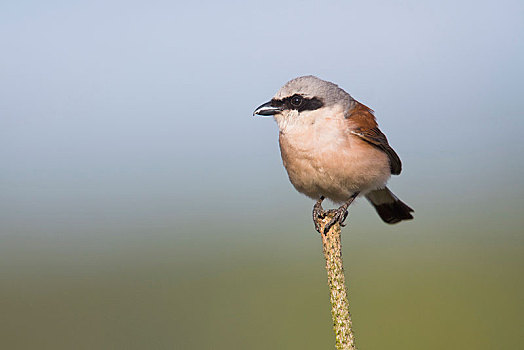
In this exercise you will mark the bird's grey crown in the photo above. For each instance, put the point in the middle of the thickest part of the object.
(310, 86)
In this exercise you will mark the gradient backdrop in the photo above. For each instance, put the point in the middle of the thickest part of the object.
(143, 207)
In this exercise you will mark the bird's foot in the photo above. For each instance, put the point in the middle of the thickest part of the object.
(339, 215)
(318, 213)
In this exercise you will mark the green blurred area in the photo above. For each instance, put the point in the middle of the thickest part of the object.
(259, 287)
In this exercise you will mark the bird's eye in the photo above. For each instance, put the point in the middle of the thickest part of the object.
(296, 100)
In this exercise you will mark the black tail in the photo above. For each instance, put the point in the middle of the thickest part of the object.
(389, 207)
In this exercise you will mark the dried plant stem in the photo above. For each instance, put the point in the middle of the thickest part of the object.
(345, 339)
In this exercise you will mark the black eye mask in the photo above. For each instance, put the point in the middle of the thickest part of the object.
(298, 103)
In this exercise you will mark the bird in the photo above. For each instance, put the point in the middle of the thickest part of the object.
(331, 147)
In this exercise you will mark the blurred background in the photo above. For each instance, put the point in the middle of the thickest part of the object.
(143, 207)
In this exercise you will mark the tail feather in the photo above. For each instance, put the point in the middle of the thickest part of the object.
(389, 207)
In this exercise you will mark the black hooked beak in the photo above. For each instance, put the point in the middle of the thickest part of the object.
(268, 108)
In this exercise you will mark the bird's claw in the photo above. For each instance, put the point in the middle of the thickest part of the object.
(339, 216)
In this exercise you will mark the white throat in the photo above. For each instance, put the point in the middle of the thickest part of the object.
(291, 121)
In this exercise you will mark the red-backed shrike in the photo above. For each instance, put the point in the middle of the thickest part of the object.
(331, 147)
